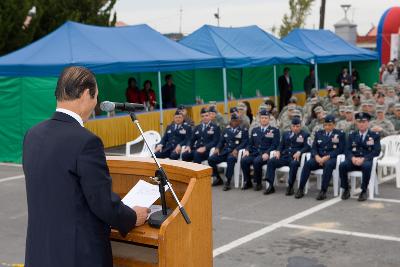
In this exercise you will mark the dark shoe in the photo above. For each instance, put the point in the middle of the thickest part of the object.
(269, 190)
(227, 186)
(217, 181)
(363, 196)
(258, 187)
(289, 191)
(299, 193)
(321, 195)
(346, 194)
(247, 186)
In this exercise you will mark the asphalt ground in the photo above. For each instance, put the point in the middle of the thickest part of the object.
(251, 229)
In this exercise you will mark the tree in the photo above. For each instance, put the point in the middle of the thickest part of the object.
(50, 15)
(299, 10)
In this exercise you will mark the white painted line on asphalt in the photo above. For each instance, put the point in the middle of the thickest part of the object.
(2, 180)
(10, 164)
(270, 228)
(245, 221)
(387, 200)
(343, 232)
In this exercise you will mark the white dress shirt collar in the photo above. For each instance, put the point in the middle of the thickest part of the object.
(72, 114)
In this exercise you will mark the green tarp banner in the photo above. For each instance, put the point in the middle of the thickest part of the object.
(26, 101)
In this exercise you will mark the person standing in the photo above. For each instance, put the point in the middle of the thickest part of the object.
(71, 206)
(132, 92)
(309, 82)
(168, 92)
(148, 96)
(361, 147)
(285, 85)
(343, 79)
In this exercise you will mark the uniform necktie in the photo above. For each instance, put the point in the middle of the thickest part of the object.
(204, 127)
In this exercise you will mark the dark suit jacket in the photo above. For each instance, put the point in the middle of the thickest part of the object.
(283, 85)
(70, 203)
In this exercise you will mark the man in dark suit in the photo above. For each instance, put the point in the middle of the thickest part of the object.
(285, 85)
(70, 203)
(361, 148)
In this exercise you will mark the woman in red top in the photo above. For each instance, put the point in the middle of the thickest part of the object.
(147, 95)
(132, 93)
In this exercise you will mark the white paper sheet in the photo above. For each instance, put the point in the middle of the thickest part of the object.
(143, 194)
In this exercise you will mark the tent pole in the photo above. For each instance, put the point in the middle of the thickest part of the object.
(161, 107)
(316, 76)
(225, 92)
(275, 87)
(351, 72)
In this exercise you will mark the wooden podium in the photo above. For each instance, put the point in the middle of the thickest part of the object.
(175, 243)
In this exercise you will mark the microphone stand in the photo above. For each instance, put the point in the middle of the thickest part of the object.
(157, 218)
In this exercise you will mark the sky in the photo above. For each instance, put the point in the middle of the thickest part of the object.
(164, 15)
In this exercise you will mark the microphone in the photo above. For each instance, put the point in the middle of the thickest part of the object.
(111, 106)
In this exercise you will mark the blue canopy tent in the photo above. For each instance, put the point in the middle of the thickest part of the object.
(27, 76)
(244, 47)
(327, 47)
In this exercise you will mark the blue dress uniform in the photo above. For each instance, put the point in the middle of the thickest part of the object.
(262, 140)
(290, 144)
(204, 135)
(174, 135)
(325, 144)
(366, 145)
(231, 139)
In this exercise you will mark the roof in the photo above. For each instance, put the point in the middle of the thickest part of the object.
(327, 47)
(244, 46)
(136, 48)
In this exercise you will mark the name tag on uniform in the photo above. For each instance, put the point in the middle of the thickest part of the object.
(197, 132)
(370, 142)
(354, 149)
(210, 131)
(225, 135)
(319, 141)
(183, 131)
(335, 139)
(334, 146)
(239, 135)
(300, 139)
(169, 131)
(237, 142)
(254, 134)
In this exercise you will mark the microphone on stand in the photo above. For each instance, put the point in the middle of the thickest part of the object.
(111, 106)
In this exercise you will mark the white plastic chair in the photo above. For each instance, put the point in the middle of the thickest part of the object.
(152, 137)
(390, 159)
(373, 181)
(236, 171)
(286, 169)
(335, 175)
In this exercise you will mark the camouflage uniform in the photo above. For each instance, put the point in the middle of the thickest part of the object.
(385, 124)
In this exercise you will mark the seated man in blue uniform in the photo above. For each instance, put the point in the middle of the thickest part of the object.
(328, 144)
(205, 136)
(176, 136)
(361, 147)
(233, 139)
(293, 144)
(263, 140)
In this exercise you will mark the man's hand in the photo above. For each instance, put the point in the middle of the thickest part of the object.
(318, 159)
(158, 148)
(296, 156)
(359, 161)
(246, 153)
(141, 215)
(178, 149)
(201, 149)
(354, 160)
(216, 151)
(376, 128)
(265, 156)
(187, 149)
(277, 154)
(235, 153)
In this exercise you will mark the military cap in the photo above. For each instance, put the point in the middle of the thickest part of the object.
(364, 103)
(264, 112)
(329, 118)
(234, 116)
(291, 108)
(341, 99)
(370, 102)
(367, 88)
(347, 89)
(390, 89)
(181, 107)
(296, 112)
(241, 105)
(329, 87)
(349, 109)
(262, 106)
(233, 109)
(318, 109)
(361, 85)
(342, 108)
(178, 112)
(212, 109)
(397, 106)
(293, 99)
(362, 116)
(314, 91)
(380, 108)
(212, 103)
(296, 121)
(203, 110)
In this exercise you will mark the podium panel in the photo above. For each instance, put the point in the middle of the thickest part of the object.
(175, 243)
